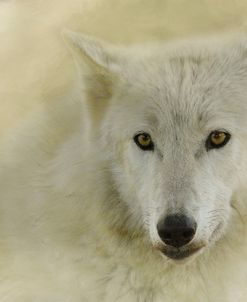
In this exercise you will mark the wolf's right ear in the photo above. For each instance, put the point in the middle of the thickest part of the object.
(92, 53)
(98, 65)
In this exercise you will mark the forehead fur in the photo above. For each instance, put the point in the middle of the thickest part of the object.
(198, 81)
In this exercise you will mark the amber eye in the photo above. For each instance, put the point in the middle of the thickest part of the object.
(144, 141)
(217, 139)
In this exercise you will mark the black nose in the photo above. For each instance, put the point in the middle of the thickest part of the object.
(176, 230)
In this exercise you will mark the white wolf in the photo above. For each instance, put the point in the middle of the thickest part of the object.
(134, 187)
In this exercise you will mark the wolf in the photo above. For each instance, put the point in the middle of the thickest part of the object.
(131, 188)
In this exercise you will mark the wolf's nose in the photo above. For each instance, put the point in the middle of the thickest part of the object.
(177, 230)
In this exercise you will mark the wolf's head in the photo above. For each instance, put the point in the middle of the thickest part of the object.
(171, 122)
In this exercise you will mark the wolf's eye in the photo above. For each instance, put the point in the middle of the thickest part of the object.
(217, 139)
(144, 141)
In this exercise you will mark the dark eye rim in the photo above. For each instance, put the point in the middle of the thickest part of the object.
(210, 145)
(150, 147)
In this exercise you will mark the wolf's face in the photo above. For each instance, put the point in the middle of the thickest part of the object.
(173, 136)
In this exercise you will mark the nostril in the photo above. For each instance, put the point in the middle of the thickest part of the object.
(166, 235)
(189, 233)
(177, 230)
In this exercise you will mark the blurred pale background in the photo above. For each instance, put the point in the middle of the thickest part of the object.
(35, 66)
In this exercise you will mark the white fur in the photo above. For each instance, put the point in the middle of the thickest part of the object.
(80, 202)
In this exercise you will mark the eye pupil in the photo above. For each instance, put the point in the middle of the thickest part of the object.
(144, 141)
(218, 137)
